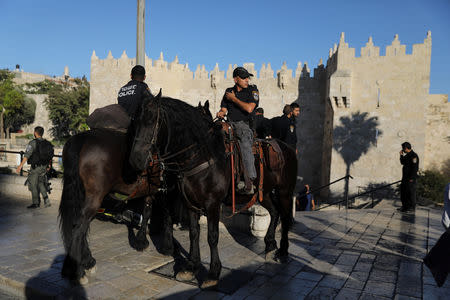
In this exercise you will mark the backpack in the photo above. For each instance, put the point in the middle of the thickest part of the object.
(43, 153)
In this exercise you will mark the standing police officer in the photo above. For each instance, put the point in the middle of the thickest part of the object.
(131, 95)
(410, 162)
(238, 104)
(36, 176)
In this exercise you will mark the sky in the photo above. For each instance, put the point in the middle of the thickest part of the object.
(45, 36)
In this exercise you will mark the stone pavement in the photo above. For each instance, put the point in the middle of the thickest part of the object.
(359, 254)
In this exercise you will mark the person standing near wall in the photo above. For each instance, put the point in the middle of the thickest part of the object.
(34, 154)
(410, 161)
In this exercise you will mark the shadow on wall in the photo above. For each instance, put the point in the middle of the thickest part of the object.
(353, 138)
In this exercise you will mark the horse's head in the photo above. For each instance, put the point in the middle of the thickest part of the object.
(204, 110)
(144, 132)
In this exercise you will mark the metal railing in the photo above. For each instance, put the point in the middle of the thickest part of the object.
(21, 153)
(360, 194)
(326, 185)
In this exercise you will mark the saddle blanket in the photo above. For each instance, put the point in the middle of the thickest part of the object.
(110, 117)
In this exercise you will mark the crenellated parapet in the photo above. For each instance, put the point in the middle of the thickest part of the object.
(200, 73)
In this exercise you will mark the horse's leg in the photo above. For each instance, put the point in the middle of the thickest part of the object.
(286, 222)
(213, 238)
(194, 248)
(78, 255)
(88, 261)
(269, 239)
(141, 237)
(167, 238)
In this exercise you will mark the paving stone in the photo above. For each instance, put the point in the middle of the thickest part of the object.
(403, 297)
(179, 291)
(309, 276)
(322, 292)
(364, 267)
(354, 284)
(287, 295)
(380, 288)
(348, 294)
(347, 259)
(366, 296)
(207, 295)
(267, 290)
(407, 268)
(333, 281)
(409, 286)
(302, 286)
(383, 275)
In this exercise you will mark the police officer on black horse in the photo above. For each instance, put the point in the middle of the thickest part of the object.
(238, 104)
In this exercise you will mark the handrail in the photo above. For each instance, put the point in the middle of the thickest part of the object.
(324, 186)
(21, 152)
(360, 194)
(21, 156)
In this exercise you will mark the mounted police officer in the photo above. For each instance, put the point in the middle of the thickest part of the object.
(410, 161)
(238, 104)
(37, 175)
(130, 96)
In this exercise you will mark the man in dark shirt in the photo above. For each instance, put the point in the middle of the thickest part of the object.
(284, 127)
(131, 95)
(261, 124)
(410, 162)
(238, 104)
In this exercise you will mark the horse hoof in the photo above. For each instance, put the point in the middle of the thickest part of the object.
(209, 283)
(185, 276)
(142, 245)
(271, 255)
(91, 271)
(84, 280)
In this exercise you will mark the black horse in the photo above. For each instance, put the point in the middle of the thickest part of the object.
(93, 167)
(187, 143)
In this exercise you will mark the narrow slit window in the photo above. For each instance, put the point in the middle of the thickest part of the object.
(378, 98)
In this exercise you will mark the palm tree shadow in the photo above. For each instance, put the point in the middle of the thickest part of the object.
(354, 137)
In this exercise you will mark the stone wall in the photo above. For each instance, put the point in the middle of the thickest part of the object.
(379, 102)
(41, 116)
(438, 132)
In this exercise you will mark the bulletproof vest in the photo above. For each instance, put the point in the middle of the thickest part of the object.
(42, 154)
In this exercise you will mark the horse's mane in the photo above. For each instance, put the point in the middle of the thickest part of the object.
(188, 125)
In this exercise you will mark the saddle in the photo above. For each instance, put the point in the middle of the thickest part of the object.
(267, 153)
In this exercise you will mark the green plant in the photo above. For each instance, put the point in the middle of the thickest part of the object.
(28, 136)
(431, 184)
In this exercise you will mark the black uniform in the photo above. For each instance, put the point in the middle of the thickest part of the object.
(284, 129)
(410, 163)
(248, 95)
(131, 95)
(241, 121)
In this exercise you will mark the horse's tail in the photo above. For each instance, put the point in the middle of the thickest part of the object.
(73, 193)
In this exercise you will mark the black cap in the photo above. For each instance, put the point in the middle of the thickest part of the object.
(241, 72)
